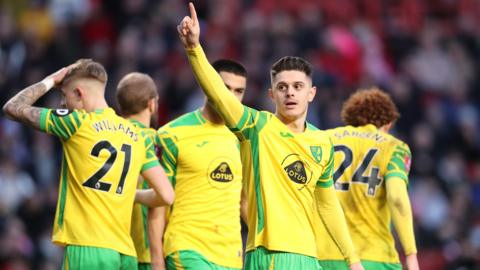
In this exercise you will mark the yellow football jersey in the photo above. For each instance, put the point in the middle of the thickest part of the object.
(139, 230)
(202, 161)
(103, 155)
(364, 159)
(281, 171)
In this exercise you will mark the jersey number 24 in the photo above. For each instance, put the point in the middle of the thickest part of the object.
(372, 181)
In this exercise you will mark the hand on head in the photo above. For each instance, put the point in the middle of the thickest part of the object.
(60, 74)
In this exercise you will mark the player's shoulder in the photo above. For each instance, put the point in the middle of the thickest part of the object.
(311, 127)
(367, 132)
(66, 113)
(397, 143)
(148, 133)
(317, 136)
(189, 119)
(265, 114)
(341, 131)
(183, 126)
(258, 117)
(104, 114)
(313, 130)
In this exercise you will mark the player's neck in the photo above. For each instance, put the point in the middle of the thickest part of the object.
(296, 125)
(211, 115)
(386, 128)
(96, 104)
(143, 117)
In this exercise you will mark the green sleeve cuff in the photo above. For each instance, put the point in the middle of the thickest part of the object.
(398, 175)
(325, 184)
(150, 165)
(43, 119)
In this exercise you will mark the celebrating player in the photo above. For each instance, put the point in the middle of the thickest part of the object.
(202, 159)
(287, 163)
(103, 154)
(371, 178)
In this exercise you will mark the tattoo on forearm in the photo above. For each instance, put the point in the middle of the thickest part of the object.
(20, 106)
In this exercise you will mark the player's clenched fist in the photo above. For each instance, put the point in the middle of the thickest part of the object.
(189, 29)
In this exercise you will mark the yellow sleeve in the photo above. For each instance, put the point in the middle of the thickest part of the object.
(399, 204)
(168, 154)
(332, 216)
(228, 106)
(151, 159)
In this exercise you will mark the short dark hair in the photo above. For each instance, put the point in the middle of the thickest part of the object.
(291, 63)
(369, 106)
(231, 66)
(88, 69)
(134, 91)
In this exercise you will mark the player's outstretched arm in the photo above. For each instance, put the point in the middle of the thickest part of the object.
(161, 192)
(332, 216)
(156, 226)
(19, 107)
(229, 107)
(399, 204)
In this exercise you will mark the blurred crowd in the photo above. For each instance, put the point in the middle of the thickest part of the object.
(426, 54)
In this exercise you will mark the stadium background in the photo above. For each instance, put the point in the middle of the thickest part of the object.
(426, 54)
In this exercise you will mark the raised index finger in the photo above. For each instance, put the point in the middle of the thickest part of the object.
(193, 12)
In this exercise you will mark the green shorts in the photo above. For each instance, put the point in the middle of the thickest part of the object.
(368, 265)
(144, 266)
(95, 258)
(191, 260)
(264, 259)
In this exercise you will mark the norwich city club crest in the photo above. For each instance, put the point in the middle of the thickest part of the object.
(316, 153)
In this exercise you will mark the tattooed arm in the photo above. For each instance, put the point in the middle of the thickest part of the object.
(19, 108)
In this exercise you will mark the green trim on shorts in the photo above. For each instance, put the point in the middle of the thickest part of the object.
(191, 260)
(368, 265)
(96, 258)
(144, 266)
(333, 265)
(262, 258)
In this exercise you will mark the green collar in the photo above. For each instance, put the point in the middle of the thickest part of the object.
(137, 123)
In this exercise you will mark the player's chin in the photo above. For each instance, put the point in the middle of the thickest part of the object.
(291, 114)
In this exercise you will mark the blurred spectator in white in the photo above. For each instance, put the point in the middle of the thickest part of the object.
(69, 11)
(430, 206)
(430, 65)
(16, 185)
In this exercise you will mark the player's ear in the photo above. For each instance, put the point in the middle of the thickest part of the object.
(311, 93)
(151, 104)
(79, 93)
(270, 93)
